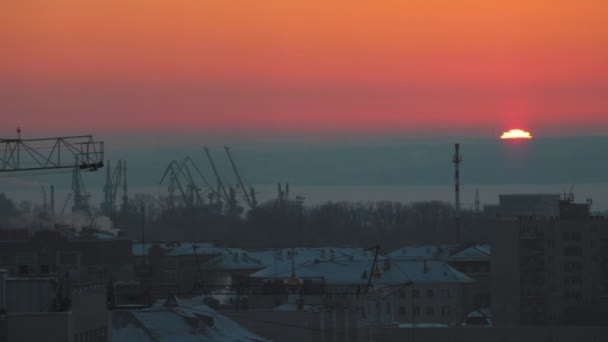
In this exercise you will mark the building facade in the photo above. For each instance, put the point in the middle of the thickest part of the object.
(550, 270)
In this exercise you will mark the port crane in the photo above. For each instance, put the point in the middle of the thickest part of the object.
(250, 199)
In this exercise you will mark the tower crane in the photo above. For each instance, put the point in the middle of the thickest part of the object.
(17, 155)
(77, 153)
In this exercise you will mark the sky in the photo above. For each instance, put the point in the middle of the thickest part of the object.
(142, 68)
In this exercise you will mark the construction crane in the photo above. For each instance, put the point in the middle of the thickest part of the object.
(194, 194)
(220, 184)
(80, 152)
(240, 180)
(110, 189)
(50, 153)
(172, 171)
(189, 161)
(81, 196)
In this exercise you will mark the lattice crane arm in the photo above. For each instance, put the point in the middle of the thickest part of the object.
(18, 155)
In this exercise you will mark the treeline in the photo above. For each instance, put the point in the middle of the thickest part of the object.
(284, 223)
(276, 223)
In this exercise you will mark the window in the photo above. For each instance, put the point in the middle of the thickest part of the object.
(445, 310)
(551, 243)
(388, 308)
(429, 293)
(571, 236)
(572, 267)
(44, 269)
(430, 311)
(416, 293)
(402, 310)
(445, 293)
(572, 251)
(416, 311)
(23, 270)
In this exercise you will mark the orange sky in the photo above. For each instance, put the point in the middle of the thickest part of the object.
(296, 66)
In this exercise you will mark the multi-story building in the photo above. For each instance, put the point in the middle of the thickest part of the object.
(474, 261)
(550, 269)
(48, 309)
(49, 253)
(417, 292)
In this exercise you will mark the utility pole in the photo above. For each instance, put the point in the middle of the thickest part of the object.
(477, 204)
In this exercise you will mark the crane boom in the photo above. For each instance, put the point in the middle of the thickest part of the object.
(50, 153)
(238, 177)
(185, 171)
(200, 174)
(217, 175)
(173, 170)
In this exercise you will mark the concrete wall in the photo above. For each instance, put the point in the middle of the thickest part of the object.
(48, 327)
(90, 313)
(29, 295)
(505, 282)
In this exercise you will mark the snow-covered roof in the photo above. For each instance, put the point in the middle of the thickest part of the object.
(483, 312)
(421, 272)
(422, 252)
(271, 257)
(177, 248)
(473, 253)
(331, 272)
(233, 260)
(202, 248)
(190, 321)
(347, 272)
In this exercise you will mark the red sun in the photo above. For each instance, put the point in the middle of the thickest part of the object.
(516, 134)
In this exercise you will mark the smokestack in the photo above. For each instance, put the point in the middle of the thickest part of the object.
(457, 160)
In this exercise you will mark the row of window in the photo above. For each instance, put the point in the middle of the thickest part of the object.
(571, 236)
(430, 311)
(573, 280)
(430, 293)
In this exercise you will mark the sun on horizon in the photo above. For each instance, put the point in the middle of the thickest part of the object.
(516, 134)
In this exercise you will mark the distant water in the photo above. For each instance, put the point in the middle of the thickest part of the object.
(318, 194)
(488, 193)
